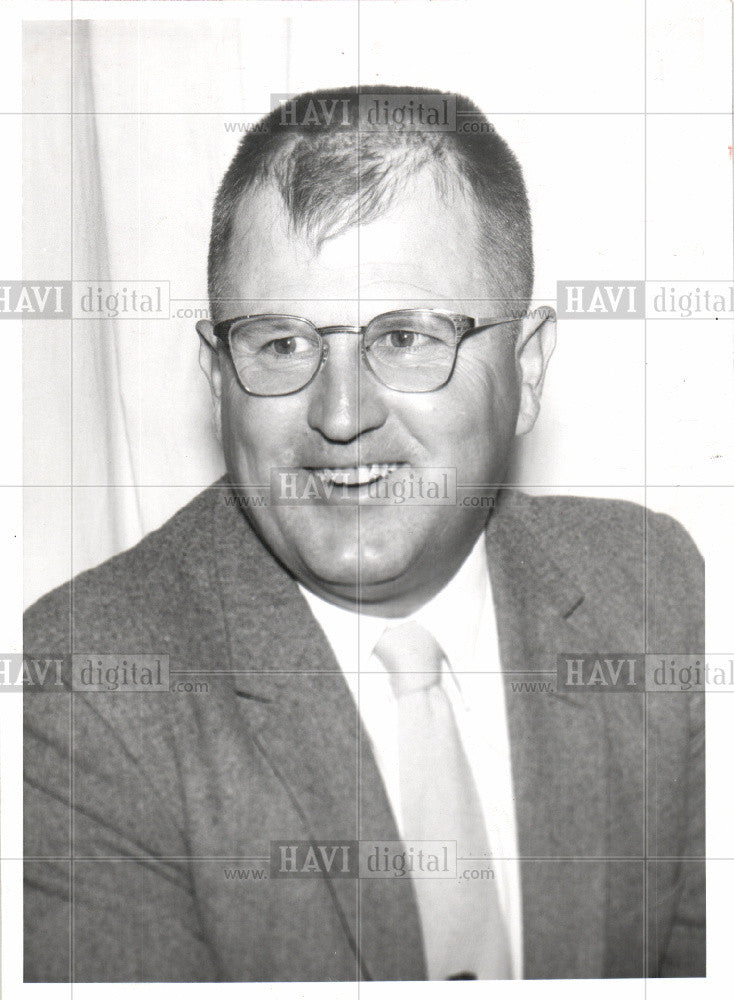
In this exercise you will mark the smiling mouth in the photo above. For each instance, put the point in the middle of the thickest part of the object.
(356, 475)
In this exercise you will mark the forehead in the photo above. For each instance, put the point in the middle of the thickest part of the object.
(423, 249)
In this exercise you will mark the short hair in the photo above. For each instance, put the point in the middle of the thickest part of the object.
(336, 171)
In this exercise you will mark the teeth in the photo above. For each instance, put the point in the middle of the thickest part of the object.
(359, 475)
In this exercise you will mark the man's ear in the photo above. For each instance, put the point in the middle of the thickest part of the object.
(210, 362)
(533, 351)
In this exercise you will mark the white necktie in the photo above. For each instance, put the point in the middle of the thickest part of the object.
(463, 930)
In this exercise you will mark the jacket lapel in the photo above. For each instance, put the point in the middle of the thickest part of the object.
(307, 725)
(558, 764)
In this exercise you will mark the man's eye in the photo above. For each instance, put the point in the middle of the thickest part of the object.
(285, 347)
(404, 339)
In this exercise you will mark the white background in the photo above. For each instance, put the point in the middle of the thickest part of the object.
(621, 118)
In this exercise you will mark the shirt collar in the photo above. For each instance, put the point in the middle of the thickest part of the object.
(453, 615)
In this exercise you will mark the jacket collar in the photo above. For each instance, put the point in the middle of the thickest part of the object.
(302, 716)
(558, 757)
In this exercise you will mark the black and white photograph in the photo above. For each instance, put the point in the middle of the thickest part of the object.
(368, 494)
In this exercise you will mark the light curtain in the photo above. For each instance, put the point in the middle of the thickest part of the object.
(119, 431)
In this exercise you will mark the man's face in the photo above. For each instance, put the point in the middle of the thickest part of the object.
(390, 557)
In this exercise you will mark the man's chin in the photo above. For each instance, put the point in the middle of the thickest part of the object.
(356, 578)
(350, 570)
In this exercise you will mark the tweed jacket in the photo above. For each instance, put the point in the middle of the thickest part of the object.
(138, 804)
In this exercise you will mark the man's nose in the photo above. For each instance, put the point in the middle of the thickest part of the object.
(346, 399)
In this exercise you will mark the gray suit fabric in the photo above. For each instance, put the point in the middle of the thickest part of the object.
(136, 803)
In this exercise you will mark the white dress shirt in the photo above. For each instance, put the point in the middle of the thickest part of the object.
(461, 618)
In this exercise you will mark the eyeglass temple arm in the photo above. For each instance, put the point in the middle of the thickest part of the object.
(474, 326)
(466, 327)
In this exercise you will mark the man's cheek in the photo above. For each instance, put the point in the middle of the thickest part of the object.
(259, 447)
(240, 450)
(476, 381)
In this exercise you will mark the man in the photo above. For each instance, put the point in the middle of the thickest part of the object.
(371, 782)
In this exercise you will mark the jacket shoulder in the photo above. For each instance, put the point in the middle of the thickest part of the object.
(640, 564)
(129, 591)
(600, 521)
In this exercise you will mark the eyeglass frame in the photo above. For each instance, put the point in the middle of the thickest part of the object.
(464, 326)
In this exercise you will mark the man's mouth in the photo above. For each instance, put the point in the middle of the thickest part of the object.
(356, 475)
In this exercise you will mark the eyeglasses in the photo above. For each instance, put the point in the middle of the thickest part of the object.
(409, 350)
